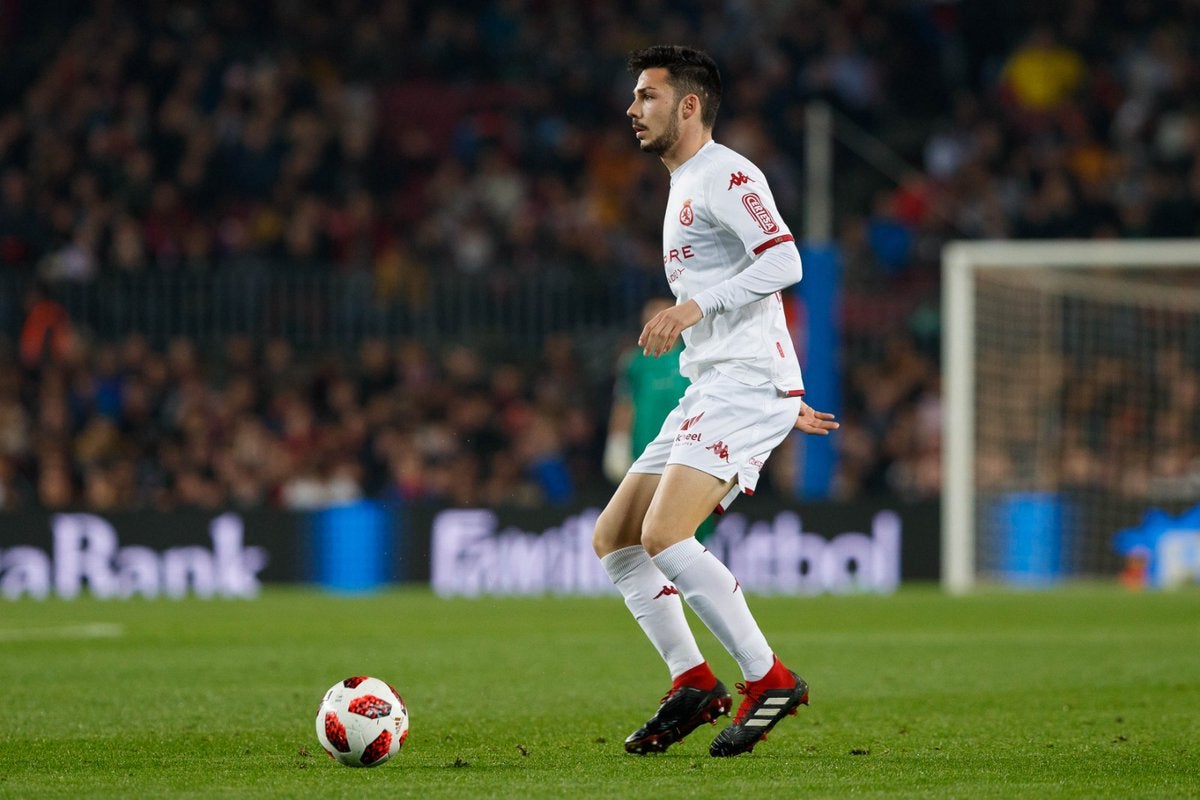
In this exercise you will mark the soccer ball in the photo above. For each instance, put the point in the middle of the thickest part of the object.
(362, 722)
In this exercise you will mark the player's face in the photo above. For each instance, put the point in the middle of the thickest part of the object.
(654, 112)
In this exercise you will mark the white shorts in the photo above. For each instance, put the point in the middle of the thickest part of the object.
(725, 428)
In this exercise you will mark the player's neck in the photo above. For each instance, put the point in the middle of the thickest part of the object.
(687, 146)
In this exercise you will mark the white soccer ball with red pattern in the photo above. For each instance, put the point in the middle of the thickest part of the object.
(362, 722)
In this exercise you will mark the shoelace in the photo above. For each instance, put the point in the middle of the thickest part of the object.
(674, 690)
(747, 704)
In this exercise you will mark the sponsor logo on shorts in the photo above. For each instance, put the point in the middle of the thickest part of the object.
(720, 450)
(694, 436)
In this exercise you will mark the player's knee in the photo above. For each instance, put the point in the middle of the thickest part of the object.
(607, 536)
(601, 544)
(658, 536)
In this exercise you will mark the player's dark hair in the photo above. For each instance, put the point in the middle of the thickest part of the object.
(691, 71)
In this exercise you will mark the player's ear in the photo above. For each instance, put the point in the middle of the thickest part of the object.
(683, 106)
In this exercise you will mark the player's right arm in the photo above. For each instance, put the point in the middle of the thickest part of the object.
(816, 423)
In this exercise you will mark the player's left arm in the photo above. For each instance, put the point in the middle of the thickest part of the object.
(751, 216)
(774, 270)
(661, 332)
(747, 210)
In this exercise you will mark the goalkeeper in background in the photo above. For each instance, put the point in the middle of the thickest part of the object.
(647, 389)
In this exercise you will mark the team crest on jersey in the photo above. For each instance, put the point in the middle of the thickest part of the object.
(760, 212)
(686, 215)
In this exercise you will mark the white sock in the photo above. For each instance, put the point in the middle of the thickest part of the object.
(716, 597)
(656, 607)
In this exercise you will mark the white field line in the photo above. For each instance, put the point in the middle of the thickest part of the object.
(87, 630)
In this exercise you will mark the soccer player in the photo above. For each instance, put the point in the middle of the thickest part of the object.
(727, 255)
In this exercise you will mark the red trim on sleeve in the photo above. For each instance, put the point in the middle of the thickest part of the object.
(794, 393)
(769, 243)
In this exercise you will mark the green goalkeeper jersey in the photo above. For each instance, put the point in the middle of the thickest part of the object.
(653, 386)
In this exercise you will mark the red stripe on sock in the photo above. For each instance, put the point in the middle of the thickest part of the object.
(699, 677)
(777, 677)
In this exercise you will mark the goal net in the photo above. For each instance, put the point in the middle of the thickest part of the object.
(1072, 396)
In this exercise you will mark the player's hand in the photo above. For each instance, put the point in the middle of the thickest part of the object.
(663, 329)
(817, 423)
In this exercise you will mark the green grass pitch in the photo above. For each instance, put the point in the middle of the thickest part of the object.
(1081, 693)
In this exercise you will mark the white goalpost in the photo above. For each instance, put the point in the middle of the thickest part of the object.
(1071, 377)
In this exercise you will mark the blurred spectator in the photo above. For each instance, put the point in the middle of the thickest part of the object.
(1042, 73)
(46, 334)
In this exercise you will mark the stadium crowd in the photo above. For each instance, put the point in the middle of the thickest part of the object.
(401, 141)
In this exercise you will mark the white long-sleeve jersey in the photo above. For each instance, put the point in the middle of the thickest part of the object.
(726, 247)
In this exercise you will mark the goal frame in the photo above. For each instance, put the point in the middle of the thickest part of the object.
(960, 260)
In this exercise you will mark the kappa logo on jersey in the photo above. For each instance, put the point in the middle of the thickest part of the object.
(761, 214)
(686, 215)
(738, 179)
(720, 450)
(690, 421)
